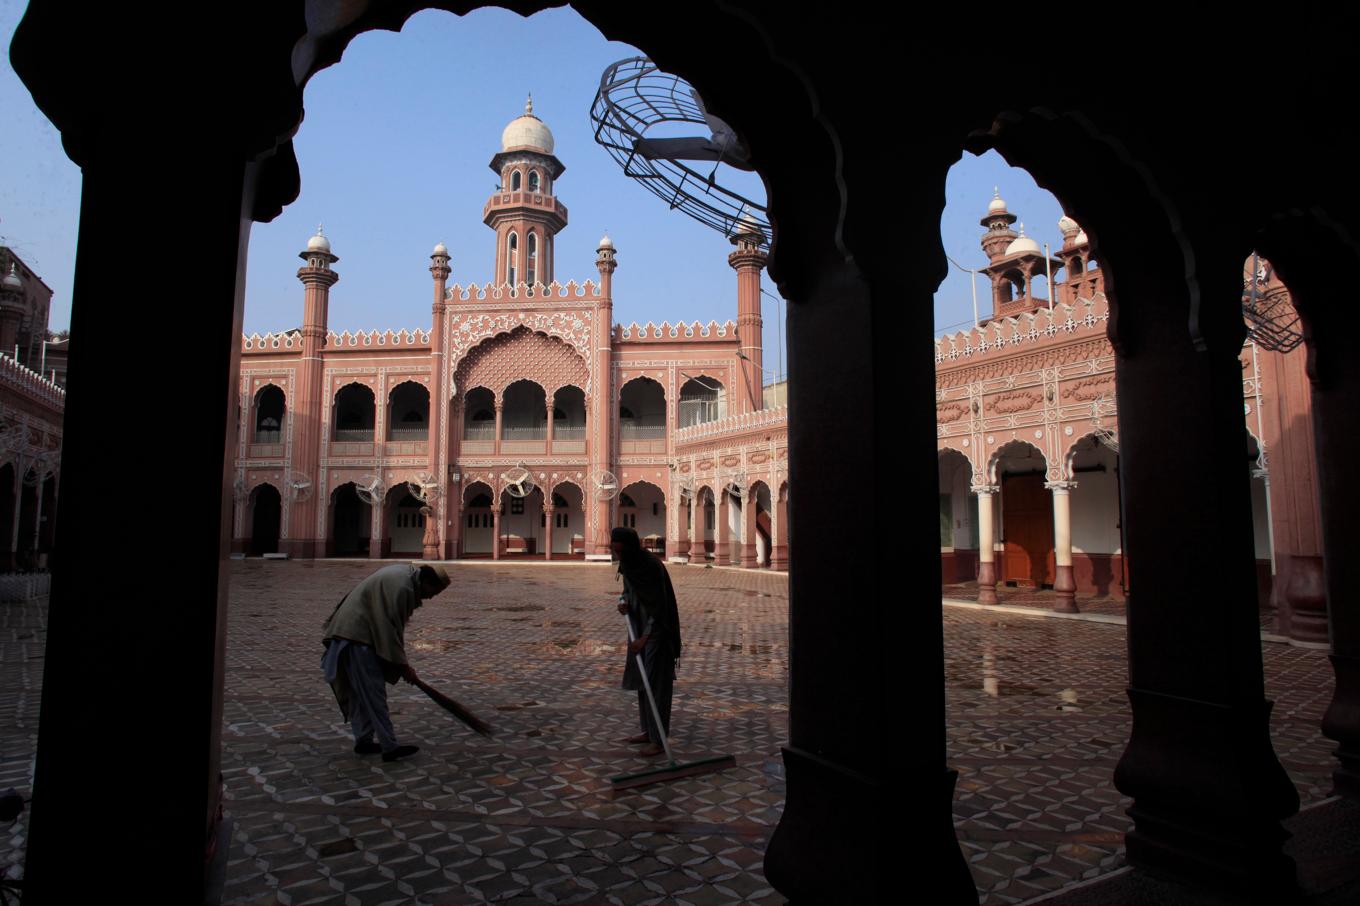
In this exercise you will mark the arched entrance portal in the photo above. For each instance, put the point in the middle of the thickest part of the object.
(958, 519)
(405, 524)
(266, 512)
(478, 521)
(642, 507)
(1027, 558)
(351, 523)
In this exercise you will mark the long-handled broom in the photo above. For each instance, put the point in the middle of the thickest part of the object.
(455, 708)
(673, 770)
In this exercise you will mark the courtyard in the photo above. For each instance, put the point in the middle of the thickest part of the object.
(528, 816)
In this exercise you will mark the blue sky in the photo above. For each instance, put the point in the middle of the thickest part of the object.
(394, 153)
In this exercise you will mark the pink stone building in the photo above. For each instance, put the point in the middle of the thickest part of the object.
(32, 408)
(661, 427)
(1028, 436)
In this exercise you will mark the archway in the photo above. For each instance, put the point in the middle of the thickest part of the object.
(270, 406)
(408, 407)
(525, 415)
(1027, 556)
(704, 544)
(351, 523)
(523, 523)
(404, 522)
(478, 520)
(266, 514)
(1098, 564)
(761, 525)
(479, 415)
(958, 519)
(354, 413)
(568, 537)
(642, 507)
(642, 417)
(702, 400)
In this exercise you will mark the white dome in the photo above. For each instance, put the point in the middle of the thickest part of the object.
(1023, 244)
(748, 226)
(12, 280)
(527, 131)
(998, 204)
(1081, 238)
(1067, 225)
(441, 249)
(319, 243)
(606, 242)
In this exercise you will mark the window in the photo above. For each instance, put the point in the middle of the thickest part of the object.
(512, 258)
(533, 181)
(516, 506)
(562, 519)
(514, 181)
(531, 265)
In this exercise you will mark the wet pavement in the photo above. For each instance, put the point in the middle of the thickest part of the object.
(528, 816)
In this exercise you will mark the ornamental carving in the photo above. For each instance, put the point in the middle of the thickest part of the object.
(706, 464)
(730, 461)
(1089, 389)
(758, 458)
(499, 361)
(950, 412)
(468, 330)
(1015, 401)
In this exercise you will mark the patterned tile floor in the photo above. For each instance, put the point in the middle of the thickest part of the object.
(527, 817)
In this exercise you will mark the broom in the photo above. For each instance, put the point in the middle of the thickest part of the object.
(477, 725)
(673, 770)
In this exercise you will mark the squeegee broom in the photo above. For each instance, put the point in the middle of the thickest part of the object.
(673, 770)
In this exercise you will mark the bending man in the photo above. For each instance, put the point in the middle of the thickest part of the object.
(649, 601)
(366, 648)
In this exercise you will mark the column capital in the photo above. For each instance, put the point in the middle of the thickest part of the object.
(985, 489)
(1060, 486)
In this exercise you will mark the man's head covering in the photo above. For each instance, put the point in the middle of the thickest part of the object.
(632, 544)
(440, 574)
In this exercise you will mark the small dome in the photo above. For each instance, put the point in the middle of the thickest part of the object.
(998, 204)
(606, 242)
(1081, 238)
(748, 226)
(527, 131)
(441, 249)
(12, 280)
(1067, 225)
(319, 243)
(1023, 244)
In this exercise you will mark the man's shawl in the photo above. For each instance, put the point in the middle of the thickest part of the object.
(375, 613)
(650, 583)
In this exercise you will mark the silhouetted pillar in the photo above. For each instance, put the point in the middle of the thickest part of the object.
(1064, 587)
(549, 514)
(1208, 792)
(779, 521)
(722, 543)
(986, 543)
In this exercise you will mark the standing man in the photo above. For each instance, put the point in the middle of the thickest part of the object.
(366, 648)
(649, 601)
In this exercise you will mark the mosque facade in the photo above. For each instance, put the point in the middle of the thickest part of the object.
(524, 422)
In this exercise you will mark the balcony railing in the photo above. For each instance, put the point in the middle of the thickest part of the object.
(268, 437)
(479, 431)
(641, 432)
(421, 432)
(524, 432)
(353, 435)
(569, 432)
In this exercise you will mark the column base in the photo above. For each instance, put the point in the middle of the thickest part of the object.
(779, 557)
(301, 548)
(1341, 723)
(748, 557)
(1303, 600)
(1208, 794)
(987, 582)
(836, 842)
(1065, 589)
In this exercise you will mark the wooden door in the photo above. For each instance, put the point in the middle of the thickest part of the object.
(1027, 527)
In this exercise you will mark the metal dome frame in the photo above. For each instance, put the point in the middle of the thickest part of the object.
(635, 97)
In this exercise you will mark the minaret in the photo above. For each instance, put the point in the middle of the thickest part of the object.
(317, 277)
(438, 449)
(747, 261)
(602, 412)
(11, 308)
(1078, 278)
(524, 212)
(998, 223)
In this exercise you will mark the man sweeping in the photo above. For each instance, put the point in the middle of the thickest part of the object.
(649, 601)
(366, 649)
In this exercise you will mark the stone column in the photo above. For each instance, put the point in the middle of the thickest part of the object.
(305, 410)
(549, 513)
(747, 261)
(602, 405)
(496, 529)
(20, 467)
(684, 512)
(431, 540)
(986, 543)
(438, 452)
(500, 408)
(748, 529)
(550, 426)
(722, 530)
(1064, 585)
(377, 527)
(456, 521)
(1208, 792)
(779, 522)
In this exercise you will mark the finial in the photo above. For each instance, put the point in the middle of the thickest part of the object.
(318, 230)
(1022, 228)
(529, 105)
(996, 191)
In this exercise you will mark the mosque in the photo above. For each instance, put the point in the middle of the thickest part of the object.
(509, 430)
(524, 422)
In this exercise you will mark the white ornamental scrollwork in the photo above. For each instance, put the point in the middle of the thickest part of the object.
(466, 332)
